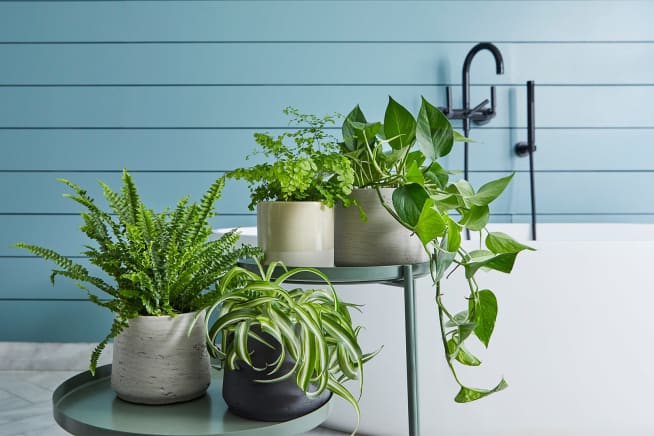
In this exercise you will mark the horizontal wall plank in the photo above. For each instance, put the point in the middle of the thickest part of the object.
(40, 192)
(292, 20)
(260, 107)
(293, 64)
(62, 151)
(53, 321)
(557, 192)
(61, 232)
(99, 151)
(37, 193)
(29, 278)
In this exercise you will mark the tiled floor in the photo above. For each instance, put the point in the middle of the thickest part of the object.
(26, 404)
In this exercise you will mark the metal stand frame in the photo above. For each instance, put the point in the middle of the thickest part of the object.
(411, 349)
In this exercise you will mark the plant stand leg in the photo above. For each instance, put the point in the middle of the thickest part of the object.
(411, 351)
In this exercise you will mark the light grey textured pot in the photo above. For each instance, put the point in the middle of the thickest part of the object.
(379, 241)
(299, 233)
(156, 362)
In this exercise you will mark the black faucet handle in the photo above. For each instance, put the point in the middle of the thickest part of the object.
(493, 100)
(478, 108)
(447, 109)
(448, 98)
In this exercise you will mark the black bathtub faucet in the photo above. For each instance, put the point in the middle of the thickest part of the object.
(479, 114)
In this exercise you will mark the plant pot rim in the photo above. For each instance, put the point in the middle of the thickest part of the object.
(169, 316)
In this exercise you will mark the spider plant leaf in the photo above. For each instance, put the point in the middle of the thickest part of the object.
(342, 392)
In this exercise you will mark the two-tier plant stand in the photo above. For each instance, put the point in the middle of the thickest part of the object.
(86, 405)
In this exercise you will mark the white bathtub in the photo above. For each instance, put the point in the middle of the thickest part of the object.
(572, 339)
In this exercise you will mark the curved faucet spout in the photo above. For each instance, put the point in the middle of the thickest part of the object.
(499, 67)
(466, 113)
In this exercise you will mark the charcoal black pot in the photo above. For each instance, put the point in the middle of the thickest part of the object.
(279, 401)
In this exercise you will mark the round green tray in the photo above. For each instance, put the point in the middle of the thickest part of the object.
(86, 405)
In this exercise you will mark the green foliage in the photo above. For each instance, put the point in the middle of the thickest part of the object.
(312, 326)
(402, 153)
(159, 263)
(304, 164)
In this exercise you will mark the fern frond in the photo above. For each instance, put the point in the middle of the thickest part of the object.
(117, 204)
(206, 207)
(130, 196)
(117, 326)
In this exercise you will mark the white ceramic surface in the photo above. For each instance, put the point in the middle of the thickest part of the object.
(296, 232)
(156, 361)
(381, 240)
(572, 340)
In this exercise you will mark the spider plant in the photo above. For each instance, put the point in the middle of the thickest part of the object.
(313, 326)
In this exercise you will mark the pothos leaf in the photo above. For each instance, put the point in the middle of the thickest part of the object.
(430, 224)
(490, 191)
(499, 242)
(434, 131)
(408, 201)
(484, 310)
(463, 355)
(466, 394)
(399, 125)
(348, 131)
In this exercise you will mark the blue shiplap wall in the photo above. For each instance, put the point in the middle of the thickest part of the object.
(173, 90)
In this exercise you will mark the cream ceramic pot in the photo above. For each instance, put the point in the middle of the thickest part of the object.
(157, 361)
(299, 233)
(379, 241)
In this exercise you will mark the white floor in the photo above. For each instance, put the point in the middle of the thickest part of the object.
(26, 404)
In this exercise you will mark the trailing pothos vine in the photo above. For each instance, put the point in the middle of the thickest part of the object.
(403, 152)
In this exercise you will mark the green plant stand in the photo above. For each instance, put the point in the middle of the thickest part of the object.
(396, 275)
(86, 405)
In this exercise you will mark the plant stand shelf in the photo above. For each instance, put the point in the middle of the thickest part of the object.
(86, 405)
(396, 275)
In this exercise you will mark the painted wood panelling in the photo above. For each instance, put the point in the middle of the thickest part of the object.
(174, 90)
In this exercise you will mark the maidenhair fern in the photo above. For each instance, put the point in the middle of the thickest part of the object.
(160, 263)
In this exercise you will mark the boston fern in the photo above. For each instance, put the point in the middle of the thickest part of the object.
(160, 263)
(305, 164)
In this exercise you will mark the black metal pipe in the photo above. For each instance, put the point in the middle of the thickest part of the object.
(531, 144)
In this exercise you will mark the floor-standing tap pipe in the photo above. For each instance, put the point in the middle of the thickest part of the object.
(531, 143)
(528, 148)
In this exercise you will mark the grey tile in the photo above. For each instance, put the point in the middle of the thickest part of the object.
(46, 379)
(26, 411)
(31, 425)
(49, 355)
(14, 383)
(13, 403)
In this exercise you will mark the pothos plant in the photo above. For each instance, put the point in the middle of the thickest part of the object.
(403, 152)
(312, 326)
(303, 164)
(159, 263)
